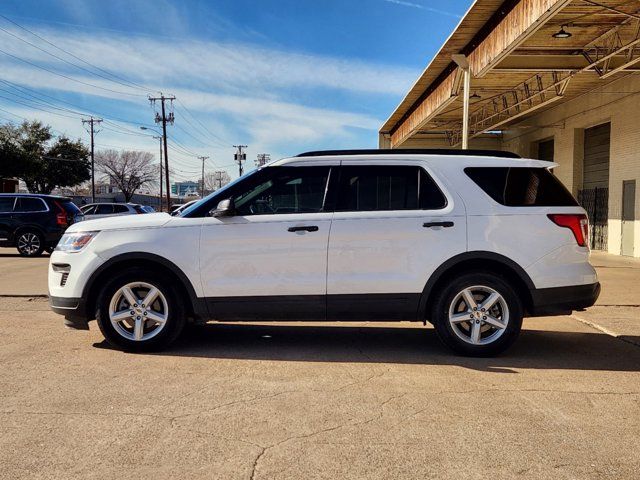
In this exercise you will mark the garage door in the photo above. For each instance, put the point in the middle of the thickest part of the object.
(594, 195)
(597, 142)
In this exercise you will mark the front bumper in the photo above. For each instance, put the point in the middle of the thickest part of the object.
(73, 310)
(563, 300)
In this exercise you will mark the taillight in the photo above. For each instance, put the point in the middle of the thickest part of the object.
(61, 216)
(576, 222)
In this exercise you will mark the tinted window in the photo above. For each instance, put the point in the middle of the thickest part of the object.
(88, 209)
(104, 209)
(283, 190)
(29, 204)
(521, 186)
(120, 209)
(69, 207)
(6, 204)
(367, 188)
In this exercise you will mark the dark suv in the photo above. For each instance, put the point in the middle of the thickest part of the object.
(34, 223)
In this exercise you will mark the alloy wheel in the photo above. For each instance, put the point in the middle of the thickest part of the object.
(478, 315)
(138, 311)
(29, 243)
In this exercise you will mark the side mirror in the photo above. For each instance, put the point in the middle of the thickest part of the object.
(226, 208)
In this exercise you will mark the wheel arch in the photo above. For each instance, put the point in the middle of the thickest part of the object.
(195, 307)
(473, 261)
(26, 227)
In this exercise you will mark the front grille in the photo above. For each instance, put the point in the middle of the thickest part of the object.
(63, 280)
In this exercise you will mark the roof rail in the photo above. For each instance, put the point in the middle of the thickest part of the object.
(412, 151)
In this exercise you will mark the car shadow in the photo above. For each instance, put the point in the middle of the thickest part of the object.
(403, 345)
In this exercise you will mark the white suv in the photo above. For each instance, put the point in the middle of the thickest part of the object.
(470, 241)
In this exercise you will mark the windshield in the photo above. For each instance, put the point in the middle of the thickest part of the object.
(219, 194)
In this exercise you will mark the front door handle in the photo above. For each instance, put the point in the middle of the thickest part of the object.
(437, 224)
(304, 228)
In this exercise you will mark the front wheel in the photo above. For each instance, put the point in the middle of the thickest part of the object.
(140, 311)
(478, 314)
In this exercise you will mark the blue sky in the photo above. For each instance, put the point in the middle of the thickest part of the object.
(281, 76)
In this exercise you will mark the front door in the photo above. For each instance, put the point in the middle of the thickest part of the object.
(269, 259)
(393, 226)
(628, 216)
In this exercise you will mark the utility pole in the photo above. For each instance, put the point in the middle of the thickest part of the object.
(219, 174)
(92, 122)
(203, 158)
(240, 157)
(164, 119)
(159, 137)
(262, 159)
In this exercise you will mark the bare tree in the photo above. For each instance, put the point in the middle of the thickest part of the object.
(215, 180)
(128, 170)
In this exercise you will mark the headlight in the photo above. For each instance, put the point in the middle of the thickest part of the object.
(74, 242)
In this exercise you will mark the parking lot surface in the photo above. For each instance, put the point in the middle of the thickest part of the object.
(349, 400)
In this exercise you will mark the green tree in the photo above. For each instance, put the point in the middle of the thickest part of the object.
(40, 160)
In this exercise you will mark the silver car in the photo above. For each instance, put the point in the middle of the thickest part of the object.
(101, 210)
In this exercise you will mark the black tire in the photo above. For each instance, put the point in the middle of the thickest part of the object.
(175, 320)
(29, 243)
(449, 293)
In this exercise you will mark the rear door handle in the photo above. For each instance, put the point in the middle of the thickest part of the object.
(304, 228)
(437, 224)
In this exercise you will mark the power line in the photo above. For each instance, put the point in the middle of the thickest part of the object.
(68, 77)
(132, 84)
(68, 62)
(203, 125)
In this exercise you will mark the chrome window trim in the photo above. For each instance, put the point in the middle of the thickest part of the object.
(32, 211)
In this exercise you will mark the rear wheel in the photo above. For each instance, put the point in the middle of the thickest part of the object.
(30, 243)
(478, 314)
(140, 311)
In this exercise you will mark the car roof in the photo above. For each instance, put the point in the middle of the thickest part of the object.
(37, 195)
(443, 161)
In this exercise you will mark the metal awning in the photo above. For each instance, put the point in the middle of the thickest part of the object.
(524, 57)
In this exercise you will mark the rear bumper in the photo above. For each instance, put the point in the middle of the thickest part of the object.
(73, 310)
(563, 300)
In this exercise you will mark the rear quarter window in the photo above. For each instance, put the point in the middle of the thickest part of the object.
(522, 186)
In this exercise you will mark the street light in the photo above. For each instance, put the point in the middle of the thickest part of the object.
(159, 137)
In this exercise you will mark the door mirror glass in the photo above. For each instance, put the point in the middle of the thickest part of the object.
(226, 208)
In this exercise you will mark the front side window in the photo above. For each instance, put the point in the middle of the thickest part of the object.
(30, 204)
(282, 190)
(6, 204)
(374, 188)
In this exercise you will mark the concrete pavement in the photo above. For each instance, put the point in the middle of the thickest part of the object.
(284, 401)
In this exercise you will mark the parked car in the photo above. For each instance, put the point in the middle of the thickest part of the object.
(34, 223)
(470, 241)
(178, 208)
(100, 210)
(148, 209)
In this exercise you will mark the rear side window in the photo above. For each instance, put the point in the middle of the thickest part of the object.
(6, 204)
(104, 209)
(521, 186)
(371, 188)
(30, 204)
(120, 209)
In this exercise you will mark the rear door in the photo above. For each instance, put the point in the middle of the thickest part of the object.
(7, 222)
(394, 224)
